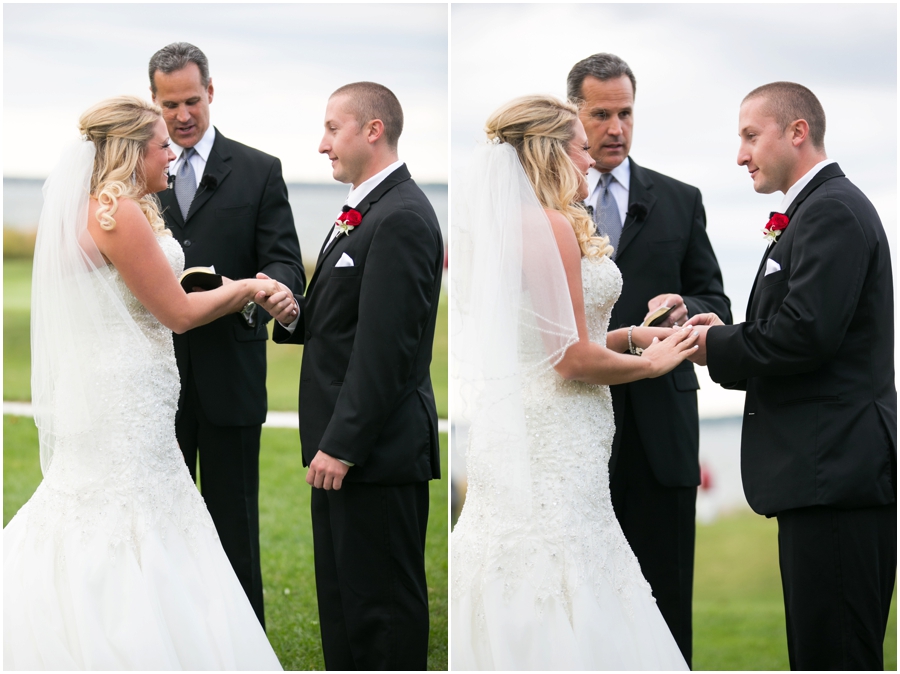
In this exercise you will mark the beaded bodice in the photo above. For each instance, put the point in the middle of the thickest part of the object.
(571, 535)
(125, 471)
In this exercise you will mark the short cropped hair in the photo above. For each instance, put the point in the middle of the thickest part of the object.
(602, 66)
(787, 102)
(175, 57)
(368, 101)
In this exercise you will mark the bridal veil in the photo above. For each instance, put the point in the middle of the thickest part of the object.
(509, 287)
(71, 308)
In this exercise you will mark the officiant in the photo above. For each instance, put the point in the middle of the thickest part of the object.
(657, 227)
(228, 207)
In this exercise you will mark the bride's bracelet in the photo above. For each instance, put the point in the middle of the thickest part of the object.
(632, 349)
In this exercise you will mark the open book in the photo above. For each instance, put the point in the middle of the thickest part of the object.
(199, 277)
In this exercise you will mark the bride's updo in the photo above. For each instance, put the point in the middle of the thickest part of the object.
(540, 128)
(121, 128)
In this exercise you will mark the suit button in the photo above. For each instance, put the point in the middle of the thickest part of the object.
(308, 334)
(187, 243)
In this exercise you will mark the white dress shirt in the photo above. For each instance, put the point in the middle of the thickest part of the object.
(798, 186)
(198, 159)
(357, 194)
(618, 187)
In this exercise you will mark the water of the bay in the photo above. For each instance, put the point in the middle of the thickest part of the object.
(314, 206)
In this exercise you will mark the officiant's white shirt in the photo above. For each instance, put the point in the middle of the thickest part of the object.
(198, 159)
(798, 186)
(618, 187)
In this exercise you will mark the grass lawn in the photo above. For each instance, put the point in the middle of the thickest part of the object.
(285, 540)
(738, 603)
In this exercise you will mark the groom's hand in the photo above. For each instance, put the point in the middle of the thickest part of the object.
(704, 319)
(699, 357)
(281, 305)
(326, 472)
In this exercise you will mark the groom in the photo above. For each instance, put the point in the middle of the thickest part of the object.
(368, 421)
(816, 357)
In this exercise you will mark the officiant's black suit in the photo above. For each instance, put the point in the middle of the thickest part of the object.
(366, 397)
(819, 439)
(654, 468)
(239, 221)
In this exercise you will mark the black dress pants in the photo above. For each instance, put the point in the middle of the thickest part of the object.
(229, 482)
(370, 575)
(659, 523)
(837, 572)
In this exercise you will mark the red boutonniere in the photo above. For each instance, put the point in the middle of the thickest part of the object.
(777, 223)
(348, 220)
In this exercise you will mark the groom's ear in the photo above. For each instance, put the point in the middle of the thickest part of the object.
(374, 130)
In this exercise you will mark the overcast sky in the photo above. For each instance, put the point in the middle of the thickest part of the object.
(694, 63)
(273, 67)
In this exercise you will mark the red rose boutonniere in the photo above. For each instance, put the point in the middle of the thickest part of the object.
(348, 220)
(778, 222)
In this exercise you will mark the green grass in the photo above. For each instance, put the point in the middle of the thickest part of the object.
(285, 540)
(16, 330)
(738, 603)
(283, 375)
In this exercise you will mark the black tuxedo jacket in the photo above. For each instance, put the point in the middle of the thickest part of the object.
(367, 330)
(240, 221)
(816, 357)
(664, 249)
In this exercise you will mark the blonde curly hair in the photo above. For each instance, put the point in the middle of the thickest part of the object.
(121, 128)
(540, 128)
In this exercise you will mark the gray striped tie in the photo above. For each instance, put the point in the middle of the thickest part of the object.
(606, 215)
(185, 183)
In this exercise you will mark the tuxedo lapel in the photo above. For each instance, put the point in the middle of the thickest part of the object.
(762, 263)
(217, 169)
(639, 192)
(394, 179)
(827, 173)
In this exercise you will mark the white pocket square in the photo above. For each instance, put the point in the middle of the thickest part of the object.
(345, 261)
(771, 267)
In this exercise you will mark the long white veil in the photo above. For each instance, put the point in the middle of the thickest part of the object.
(74, 309)
(509, 288)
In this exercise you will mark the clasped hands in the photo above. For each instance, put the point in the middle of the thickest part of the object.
(281, 304)
(701, 324)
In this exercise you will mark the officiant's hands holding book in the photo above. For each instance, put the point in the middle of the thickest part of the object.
(657, 316)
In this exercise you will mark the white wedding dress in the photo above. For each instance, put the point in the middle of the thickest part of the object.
(564, 590)
(114, 562)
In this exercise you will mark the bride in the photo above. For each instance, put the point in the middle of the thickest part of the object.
(114, 562)
(542, 576)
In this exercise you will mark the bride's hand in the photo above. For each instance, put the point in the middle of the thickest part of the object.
(667, 354)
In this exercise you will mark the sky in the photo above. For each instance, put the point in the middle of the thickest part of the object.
(273, 67)
(694, 63)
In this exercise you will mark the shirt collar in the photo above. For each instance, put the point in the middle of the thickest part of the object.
(622, 174)
(798, 186)
(357, 194)
(203, 146)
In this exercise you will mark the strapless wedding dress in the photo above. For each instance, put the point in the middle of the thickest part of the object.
(565, 592)
(114, 562)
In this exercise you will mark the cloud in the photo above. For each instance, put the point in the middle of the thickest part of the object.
(273, 66)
